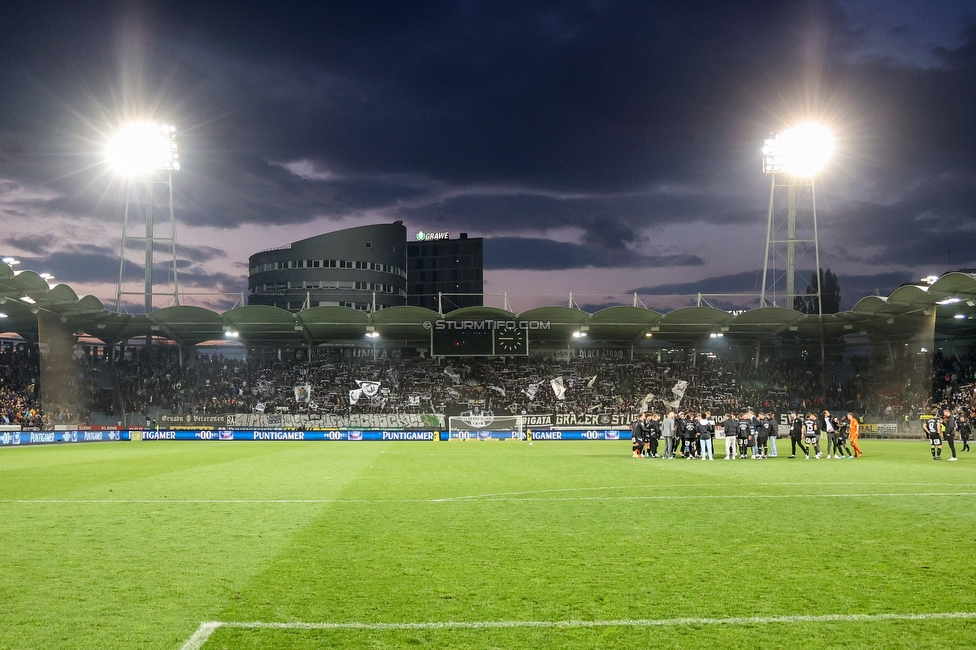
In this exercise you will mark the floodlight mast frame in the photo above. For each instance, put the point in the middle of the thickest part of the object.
(772, 166)
(151, 181)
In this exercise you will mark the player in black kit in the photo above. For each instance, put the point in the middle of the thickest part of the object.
(933, 430)
(811, 431)
(743, 434)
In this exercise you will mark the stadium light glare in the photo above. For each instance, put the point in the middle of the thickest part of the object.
(28, 300)
(11, 261)
(959, 316)
(2, 315)
(143, 147)
(801, 151)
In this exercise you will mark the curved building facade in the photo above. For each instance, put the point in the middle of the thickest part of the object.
(362, 268)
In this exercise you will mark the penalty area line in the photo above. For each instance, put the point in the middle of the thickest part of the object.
(206, 629)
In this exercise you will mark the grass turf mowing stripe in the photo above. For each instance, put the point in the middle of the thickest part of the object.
(663, 497)
(206, 629)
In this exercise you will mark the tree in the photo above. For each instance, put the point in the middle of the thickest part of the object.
(829, 294)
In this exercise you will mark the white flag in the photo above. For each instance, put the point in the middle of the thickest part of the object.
(531, 390)
(259, 407)
(591, 382)
(369, 388)
(303, 393)
(498, 389)
(414, 400)
(354, 396)
(647, 400)
(450, 372)
(679, 388)
(558, 388)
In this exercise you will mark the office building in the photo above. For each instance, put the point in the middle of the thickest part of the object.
(445, 270)
(363, 268)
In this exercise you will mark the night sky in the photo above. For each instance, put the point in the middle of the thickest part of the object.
(599, 147)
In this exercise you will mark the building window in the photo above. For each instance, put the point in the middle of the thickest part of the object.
(369, 244)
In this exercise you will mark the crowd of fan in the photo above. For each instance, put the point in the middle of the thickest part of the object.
(153, 380)
(18, 383)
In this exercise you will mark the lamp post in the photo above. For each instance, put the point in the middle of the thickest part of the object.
(146, 152)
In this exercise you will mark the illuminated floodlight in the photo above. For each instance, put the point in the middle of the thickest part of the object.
(28, 300)
(960, 316)
(11, 261)
(949, 301)
(143, 147)
(2, 315)
(801, 151)
(930, 279)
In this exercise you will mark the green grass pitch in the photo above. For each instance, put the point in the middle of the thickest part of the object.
(134, 545)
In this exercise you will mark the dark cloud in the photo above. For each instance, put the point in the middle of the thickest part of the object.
(32, 244)
(545, 255)
(614, 120)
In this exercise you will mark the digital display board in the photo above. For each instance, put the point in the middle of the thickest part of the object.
(461, 343)
(478, 342)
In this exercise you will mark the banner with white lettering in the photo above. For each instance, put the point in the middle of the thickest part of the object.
(285, 435)
(14, 438)
(336, 421)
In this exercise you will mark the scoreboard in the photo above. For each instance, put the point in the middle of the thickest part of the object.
(479, 342)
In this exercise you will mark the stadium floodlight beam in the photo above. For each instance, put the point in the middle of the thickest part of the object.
(792, 158)
(141, 148)
(802, 151)
(146, 152)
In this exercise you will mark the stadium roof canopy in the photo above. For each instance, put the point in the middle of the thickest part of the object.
(24, 295)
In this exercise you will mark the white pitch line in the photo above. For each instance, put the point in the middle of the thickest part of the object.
(201, 635)
(679, 486)
(648, 497)
(206, 629)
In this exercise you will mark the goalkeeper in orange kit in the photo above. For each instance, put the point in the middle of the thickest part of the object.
(854, 434)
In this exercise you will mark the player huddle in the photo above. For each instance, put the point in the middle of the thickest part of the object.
(747, 435)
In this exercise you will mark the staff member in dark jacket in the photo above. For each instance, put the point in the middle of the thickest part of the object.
(965, 430)
(796, 435)
(652, 430)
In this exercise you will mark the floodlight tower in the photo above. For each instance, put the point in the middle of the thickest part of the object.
(792, 159)
(146, 154)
